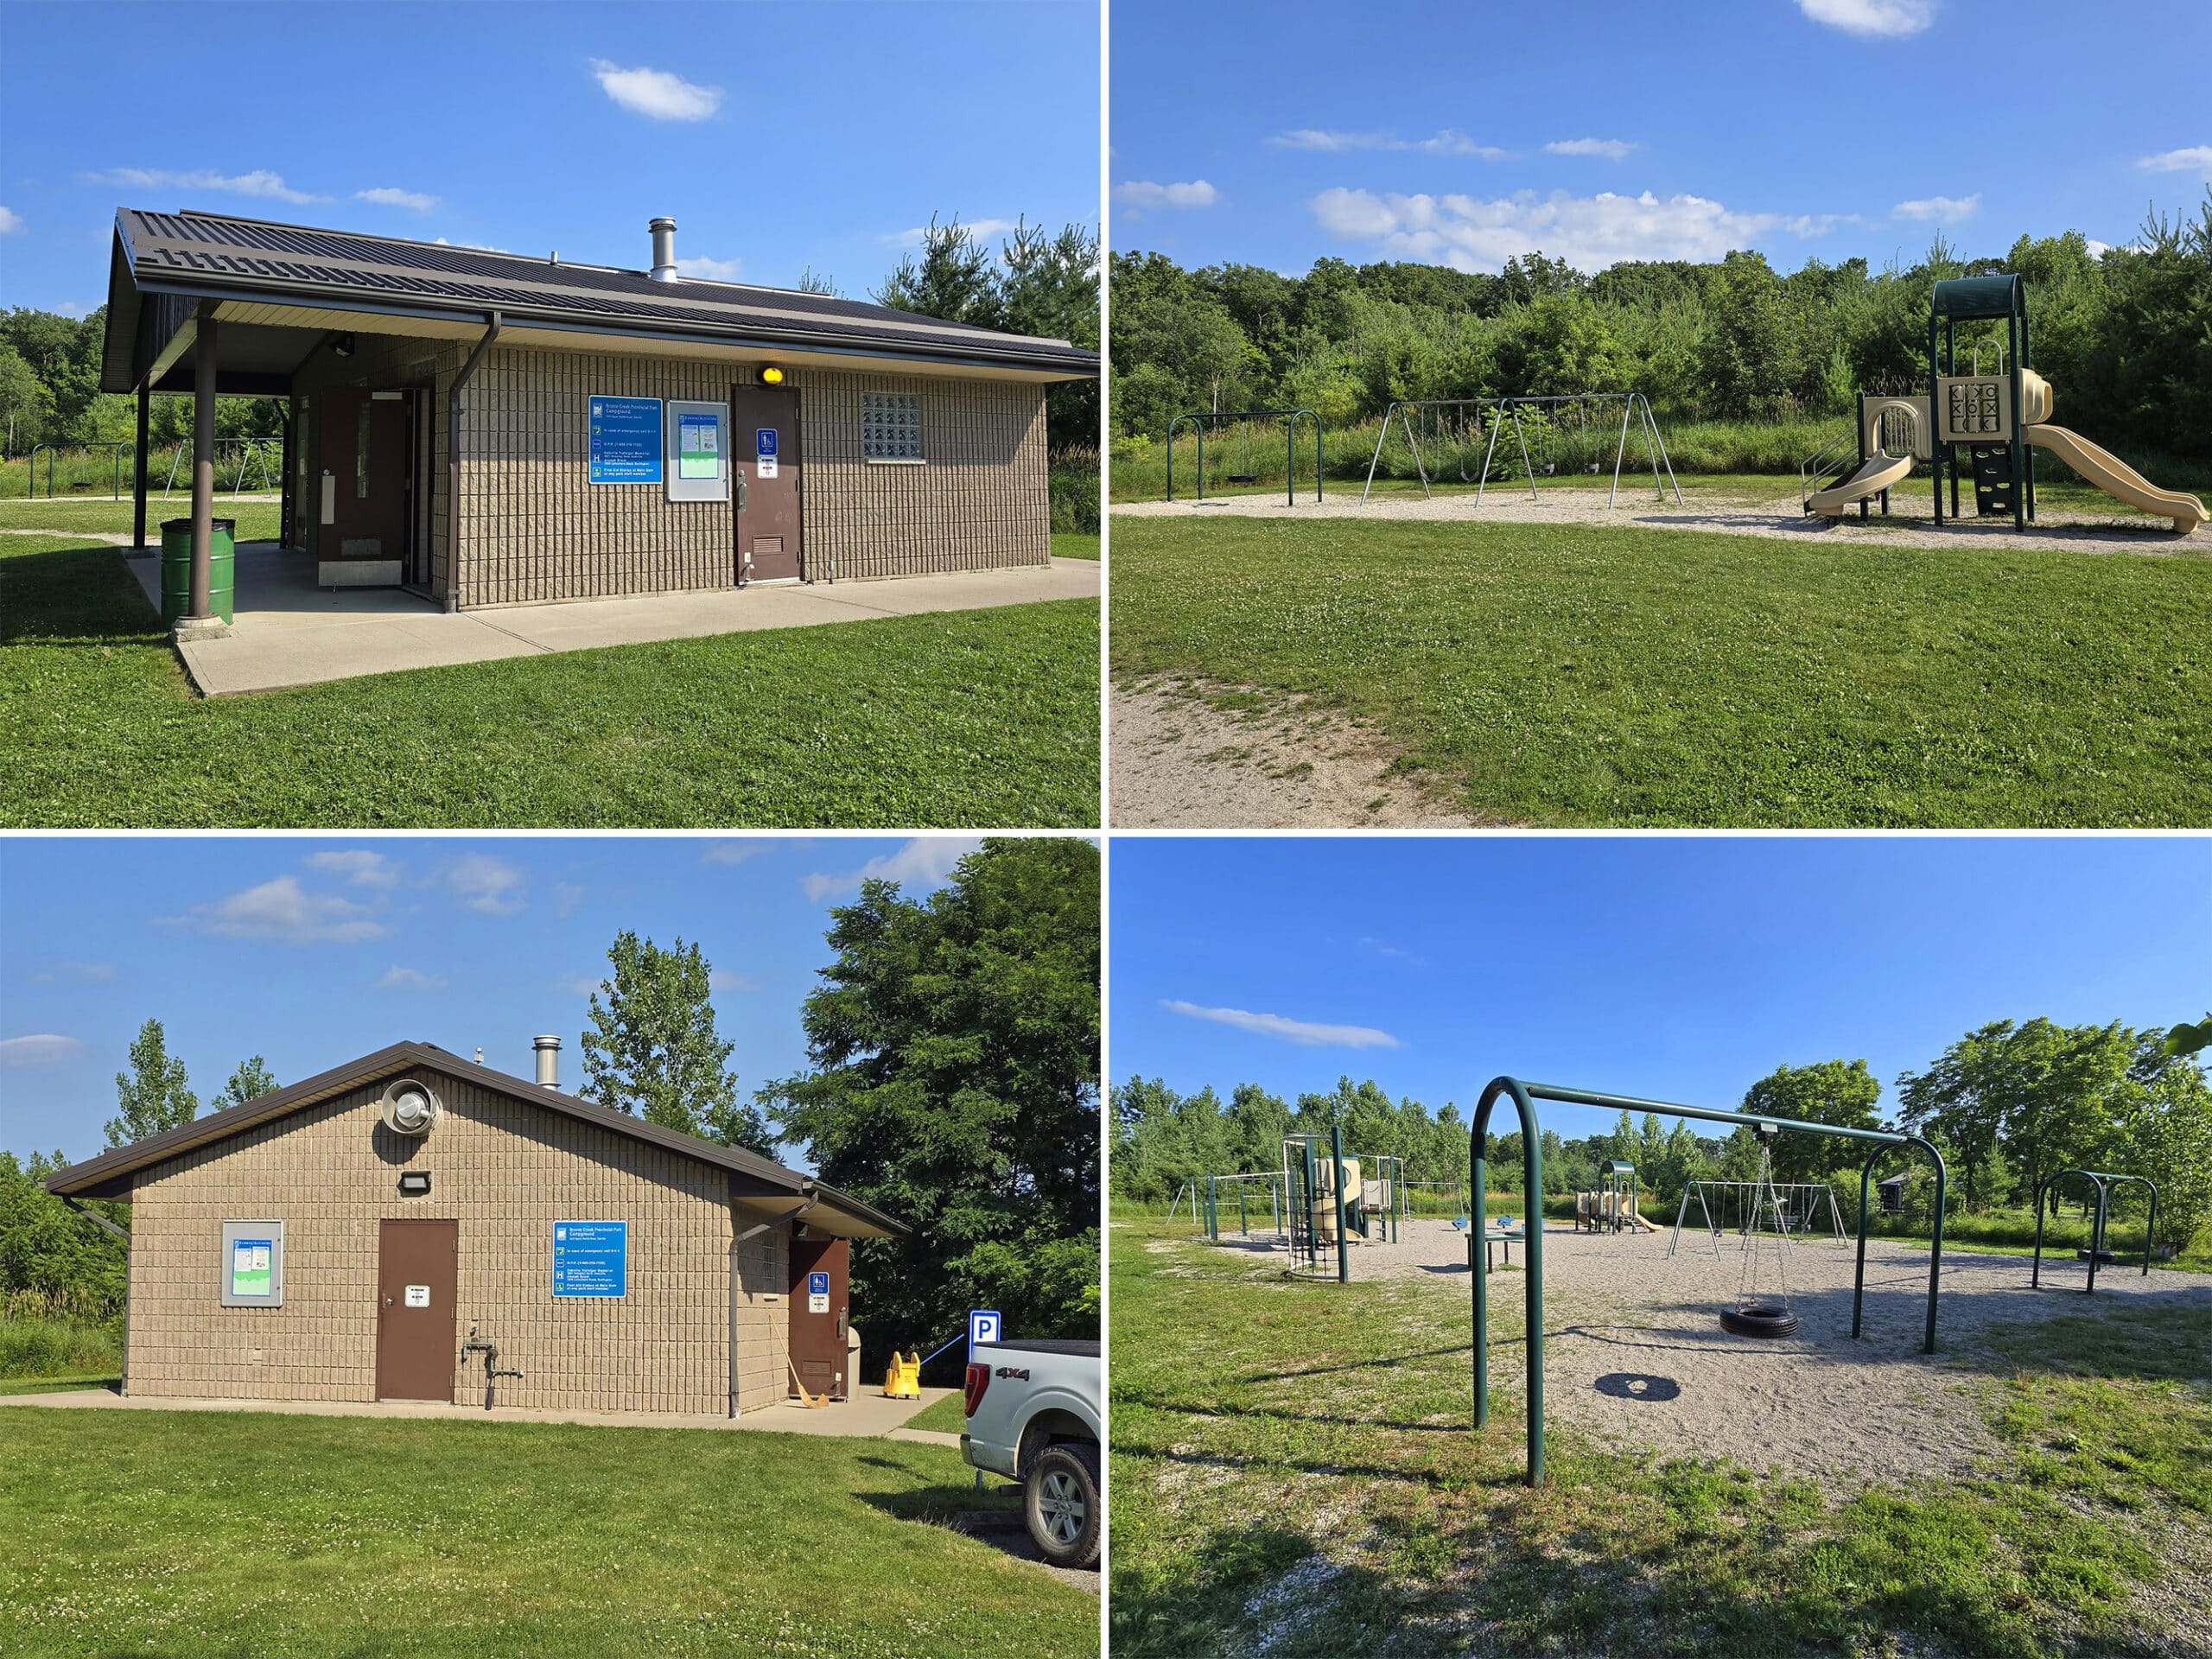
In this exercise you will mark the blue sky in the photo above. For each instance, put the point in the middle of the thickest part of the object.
(1670, 967)
(776, 137)
(311, 951)
(1273, 135)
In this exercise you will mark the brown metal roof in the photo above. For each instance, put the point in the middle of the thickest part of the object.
(218, 256)
(109, 1175)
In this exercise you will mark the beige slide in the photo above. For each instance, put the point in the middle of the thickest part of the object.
(1880, 473)
(2115, 477)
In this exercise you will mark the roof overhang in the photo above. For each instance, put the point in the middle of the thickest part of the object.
(753, 1179)
(270, 324)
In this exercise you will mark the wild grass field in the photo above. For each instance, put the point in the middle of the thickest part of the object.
(979, 718)
(1294, 1473)
(1562, 676)
(189, 1534)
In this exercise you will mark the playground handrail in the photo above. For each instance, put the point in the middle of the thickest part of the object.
(1524, 1096)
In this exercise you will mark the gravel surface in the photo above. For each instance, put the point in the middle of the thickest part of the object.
(1178, 763)
(1731, 511)
(1619, 1308)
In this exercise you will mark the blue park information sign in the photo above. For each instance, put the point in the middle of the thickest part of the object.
(626, 440)
(591, 1258)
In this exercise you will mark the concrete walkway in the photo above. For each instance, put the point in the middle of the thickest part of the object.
(868, 1416)
(288, 632)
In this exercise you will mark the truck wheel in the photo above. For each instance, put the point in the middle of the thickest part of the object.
(1059, 1500)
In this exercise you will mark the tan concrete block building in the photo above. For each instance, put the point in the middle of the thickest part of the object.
(482, 428)
(415, 1226)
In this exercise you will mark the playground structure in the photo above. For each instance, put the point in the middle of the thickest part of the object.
(1446, 425)
(2103, 1183)
(1246, 471)
(1613, 1207)
(1206, 1203)
(1524, 1096)
(1985, 425)
(1796, 1205)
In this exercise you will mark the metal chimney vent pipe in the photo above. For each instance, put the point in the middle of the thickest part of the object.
(663, 269)
(549, 1061)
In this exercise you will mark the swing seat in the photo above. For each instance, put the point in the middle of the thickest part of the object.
(1243, 478)
(1759, 1320)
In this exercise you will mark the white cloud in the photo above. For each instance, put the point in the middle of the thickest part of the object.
(480, 247)
(1142, 193)
(1590, 232)
(2196, 159)
(1948, 210)
(721, 979)
(732, 852)
(397, 978)
(99, 970)
(656, 93)
(283, 909)
(709, 271)
(1446, 142)
(925, 861)
(74, 308)
(1305, 1033)
(43, 1049)
(582, 984)
(1613, 150)
(485, 883)
(260, 182)
(385, 196)
(363, 869)
(981, 229)
(1872, 19)
(10, 221)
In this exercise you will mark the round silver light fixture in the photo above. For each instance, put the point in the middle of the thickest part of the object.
(410, 1107)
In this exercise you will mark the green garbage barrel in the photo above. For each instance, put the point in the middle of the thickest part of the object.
(176, 569)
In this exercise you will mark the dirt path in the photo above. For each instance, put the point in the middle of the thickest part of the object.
(1775, 515)
(1180, 763)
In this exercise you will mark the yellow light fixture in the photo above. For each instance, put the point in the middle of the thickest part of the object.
(771, 375)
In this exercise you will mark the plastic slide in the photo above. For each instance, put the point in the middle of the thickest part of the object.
(1877, 474)
(2116, 478)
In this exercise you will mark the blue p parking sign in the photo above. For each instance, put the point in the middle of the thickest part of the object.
(982, 1326)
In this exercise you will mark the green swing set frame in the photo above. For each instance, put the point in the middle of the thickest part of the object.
(1524, 1096)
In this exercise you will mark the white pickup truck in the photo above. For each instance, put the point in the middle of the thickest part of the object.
(1036, 1414)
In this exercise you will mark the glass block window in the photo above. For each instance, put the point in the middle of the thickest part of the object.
(891, 426)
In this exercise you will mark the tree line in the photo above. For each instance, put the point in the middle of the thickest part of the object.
(953, 1049)
(2124, 334)
(2008, 1105)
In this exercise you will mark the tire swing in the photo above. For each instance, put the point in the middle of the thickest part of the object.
(1756, 1312)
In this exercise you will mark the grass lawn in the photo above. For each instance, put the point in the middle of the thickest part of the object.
(948, 1416)
(1070, 544)
(1570, 676)
(57, 1384)
(978, 718)
(1293, 1473)
(189, 1533)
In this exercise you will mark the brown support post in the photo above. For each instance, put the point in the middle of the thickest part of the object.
(138, 488)
(203, 467)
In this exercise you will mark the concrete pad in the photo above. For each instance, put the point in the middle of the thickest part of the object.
(867, 1416)
(288, 632)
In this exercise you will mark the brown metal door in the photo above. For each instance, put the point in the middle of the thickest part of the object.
(768, 522)
(419, 1275)
(365, 475)
(819, 1315)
